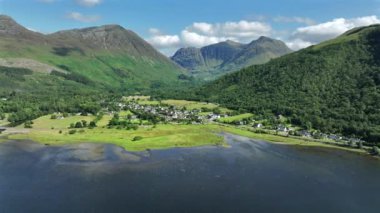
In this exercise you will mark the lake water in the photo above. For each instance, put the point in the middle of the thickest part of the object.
(250, 176)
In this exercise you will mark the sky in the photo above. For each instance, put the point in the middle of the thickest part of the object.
(172, 24)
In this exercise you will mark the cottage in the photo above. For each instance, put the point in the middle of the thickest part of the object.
(334, 137)
(259, 125)
(282, 128)
(305, 133)
(213, 117)
(2, 129)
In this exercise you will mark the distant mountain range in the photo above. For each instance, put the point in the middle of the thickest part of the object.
(109, 55)
(217, 59)
(333, 87)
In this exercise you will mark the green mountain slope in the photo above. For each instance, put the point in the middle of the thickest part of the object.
(109, 55)
(218, 59)
(335, 86)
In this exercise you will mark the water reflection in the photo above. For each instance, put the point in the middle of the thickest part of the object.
(249, 176)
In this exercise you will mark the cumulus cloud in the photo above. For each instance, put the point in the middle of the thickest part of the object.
(194, 39)
(89, 3)
(159, 40)
(83, 18)
(201, 34)
(306, 36)
(300, 20)
(297, 44)
(241, 31)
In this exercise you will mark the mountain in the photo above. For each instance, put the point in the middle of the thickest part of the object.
(224, 57)
(108, 56)
(333, 87)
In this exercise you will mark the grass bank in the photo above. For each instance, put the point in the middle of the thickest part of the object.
(161, 137)
(56, 132)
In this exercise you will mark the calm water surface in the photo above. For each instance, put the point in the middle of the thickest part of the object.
(251, 176)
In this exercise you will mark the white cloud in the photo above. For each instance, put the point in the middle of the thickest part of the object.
(297, 44)
(201, 34)
(306, 36)
(89, 3)
(194, 39)
(160, 40)
(83, 18)
(242, 30)
(165, 43)
(300, 20)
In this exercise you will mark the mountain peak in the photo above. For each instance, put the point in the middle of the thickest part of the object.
(5, 17)
(264, 39)
(8, 25)
(229, 55)
(231, 42)
(10, 28)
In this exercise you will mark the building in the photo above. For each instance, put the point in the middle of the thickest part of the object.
(282, 128)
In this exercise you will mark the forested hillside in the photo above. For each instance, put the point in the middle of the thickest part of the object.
(333, 87)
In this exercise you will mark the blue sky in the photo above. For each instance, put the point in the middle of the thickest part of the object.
(171, 24)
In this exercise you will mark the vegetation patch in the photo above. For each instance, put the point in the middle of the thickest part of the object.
(236, 118)
(161, 137)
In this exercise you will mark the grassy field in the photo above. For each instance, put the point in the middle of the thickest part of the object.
(235, 118)
(161, 137)
(104, 121)
(4, 122)
(125, 113)
(148, 103)
(137, 97)
(46, 123)
(190, 105)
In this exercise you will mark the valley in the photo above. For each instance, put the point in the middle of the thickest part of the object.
(86, 72)
(137, 123)
(189, 106)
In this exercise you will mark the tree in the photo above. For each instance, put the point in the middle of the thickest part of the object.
(28, 124)
(376, 150)
(217, 111)
(78, 125)
(2, 116)
(92, 124)
(137, 138)
(309, 126)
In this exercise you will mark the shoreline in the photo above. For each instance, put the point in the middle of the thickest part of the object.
(157, 144)
(290, 141)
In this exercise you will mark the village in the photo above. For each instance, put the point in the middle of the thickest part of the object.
(165, 113)
(132, 113)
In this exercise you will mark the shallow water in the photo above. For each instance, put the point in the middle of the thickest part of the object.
(251, 176)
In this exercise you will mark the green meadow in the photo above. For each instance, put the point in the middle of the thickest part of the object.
(235, 118)
(160, 137)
